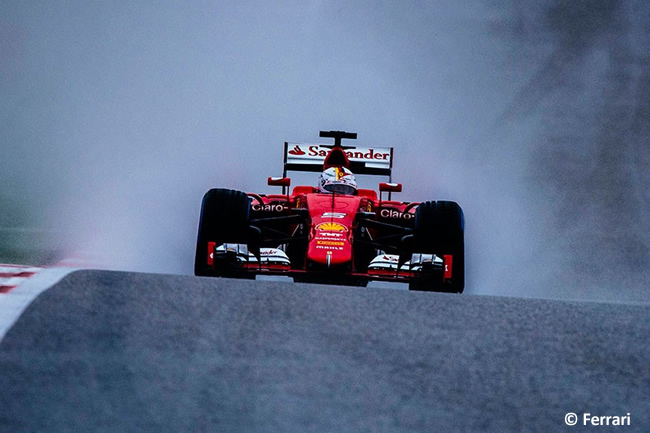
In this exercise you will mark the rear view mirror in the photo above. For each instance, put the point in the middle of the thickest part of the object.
(390, 187)
(279, 181)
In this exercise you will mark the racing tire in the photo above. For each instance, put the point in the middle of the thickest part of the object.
(440, 229)
(225, 217)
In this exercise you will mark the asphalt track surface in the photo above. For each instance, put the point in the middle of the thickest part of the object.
(106, 351)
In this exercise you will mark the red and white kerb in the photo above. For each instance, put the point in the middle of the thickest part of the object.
(11, 276)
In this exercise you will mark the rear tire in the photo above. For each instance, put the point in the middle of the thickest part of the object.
(440, 229)
(225, 217)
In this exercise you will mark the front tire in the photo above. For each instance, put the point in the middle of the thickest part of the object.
(440, 229)
(225, 218)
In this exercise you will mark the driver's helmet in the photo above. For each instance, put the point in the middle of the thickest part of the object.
(337, 180)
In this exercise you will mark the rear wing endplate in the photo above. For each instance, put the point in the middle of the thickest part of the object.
(363, 160)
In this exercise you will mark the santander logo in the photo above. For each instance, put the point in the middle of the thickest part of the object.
(297, 151)
(360, 154)
(299, 156)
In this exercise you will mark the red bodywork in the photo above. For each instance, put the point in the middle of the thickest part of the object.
(332, 225)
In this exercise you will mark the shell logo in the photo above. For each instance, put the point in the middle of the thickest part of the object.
(331, 227)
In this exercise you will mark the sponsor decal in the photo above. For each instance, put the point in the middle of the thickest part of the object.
(395, 214)
(329, 247)
(277, 207)
(297, 151)
(327, 242)
(331, 235)
(378, 157)
(334, 215)
(331, 227)
(359, 154)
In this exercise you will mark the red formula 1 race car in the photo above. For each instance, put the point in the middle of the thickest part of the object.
(335, 233)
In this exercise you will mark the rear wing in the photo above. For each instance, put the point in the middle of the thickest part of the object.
(363, 160)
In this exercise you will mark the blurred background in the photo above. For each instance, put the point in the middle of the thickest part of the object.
(116, 117)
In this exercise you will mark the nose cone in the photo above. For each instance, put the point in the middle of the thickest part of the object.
(332, 217)
(330, 245)
(330, 252)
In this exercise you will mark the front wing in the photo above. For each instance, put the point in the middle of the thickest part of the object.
(274, 261)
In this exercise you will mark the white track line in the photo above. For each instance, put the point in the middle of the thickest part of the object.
(14, 303)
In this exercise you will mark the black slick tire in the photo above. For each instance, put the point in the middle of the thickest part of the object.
(440, 229)
(225, 218)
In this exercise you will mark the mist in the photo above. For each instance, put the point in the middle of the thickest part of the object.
(116, 118)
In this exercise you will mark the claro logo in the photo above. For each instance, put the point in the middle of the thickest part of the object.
(278, 207)
(395, 214)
